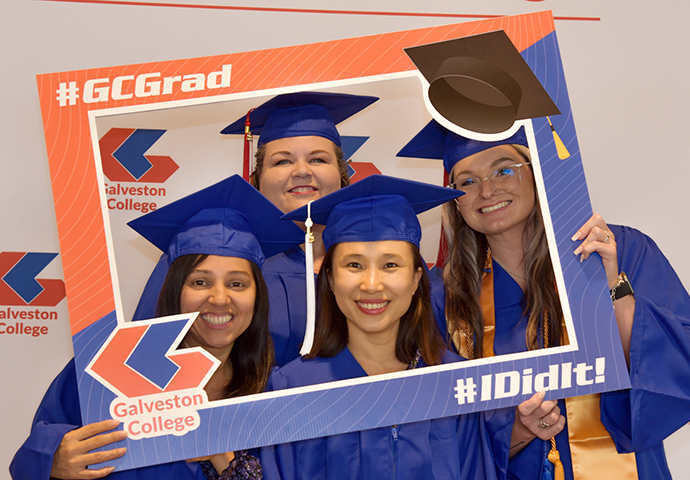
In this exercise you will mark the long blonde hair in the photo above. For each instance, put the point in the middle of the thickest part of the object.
(464, 269)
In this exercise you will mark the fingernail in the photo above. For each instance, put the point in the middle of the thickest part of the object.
(578, 250)
(582, 258)
(575, 237)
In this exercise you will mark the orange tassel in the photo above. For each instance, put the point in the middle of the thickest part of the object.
(555, 458)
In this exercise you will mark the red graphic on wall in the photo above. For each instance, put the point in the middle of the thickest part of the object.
(362, 170)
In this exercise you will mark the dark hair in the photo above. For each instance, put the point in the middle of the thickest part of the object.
(464, 269)
(417, 330)
(252, 354)
(260, 155)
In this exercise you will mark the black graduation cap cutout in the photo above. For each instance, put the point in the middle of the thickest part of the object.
(481, 82)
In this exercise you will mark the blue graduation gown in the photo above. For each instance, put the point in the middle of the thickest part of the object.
(287, 295)
(659, 401)
(444, 448)
(59, 413)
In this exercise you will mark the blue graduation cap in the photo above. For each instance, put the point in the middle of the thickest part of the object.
(435, 141)
(300, 114)
(374, 209)
(230, 218)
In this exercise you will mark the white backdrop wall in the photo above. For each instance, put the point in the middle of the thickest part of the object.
(626, 64)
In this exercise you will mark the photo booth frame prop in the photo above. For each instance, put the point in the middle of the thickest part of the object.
(169, 417)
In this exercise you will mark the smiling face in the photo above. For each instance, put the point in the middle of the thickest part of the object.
(297, 170)
(373, 284)
(223, 290)
(495, 212)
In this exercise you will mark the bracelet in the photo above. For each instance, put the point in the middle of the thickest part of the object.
(622, 288)
(516, 445)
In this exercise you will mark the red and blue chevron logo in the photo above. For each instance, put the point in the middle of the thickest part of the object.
(19, 285)
(141, 358)
(123, 154)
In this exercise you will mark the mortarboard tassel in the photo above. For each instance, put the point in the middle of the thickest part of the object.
(563, 152)
(311, 295)
(247, 147)
(555, 458)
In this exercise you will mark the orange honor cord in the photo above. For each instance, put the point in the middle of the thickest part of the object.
(592, 451)
(486, 301)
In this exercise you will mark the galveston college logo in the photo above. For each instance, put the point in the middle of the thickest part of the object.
(124, 159)
(158, 388)
(19, 287)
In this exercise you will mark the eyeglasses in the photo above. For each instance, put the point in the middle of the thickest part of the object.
(505, 179)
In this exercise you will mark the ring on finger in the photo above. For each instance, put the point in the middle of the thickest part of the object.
(606, 240)
(543, 425)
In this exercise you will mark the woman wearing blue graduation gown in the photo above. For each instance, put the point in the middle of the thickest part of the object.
(375, 317)
(216, 239)
(653, 321)
(443, 448)
(285, 279)
(298, 159)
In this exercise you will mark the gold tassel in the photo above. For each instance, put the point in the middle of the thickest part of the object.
(563, 152)
(555, 458)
